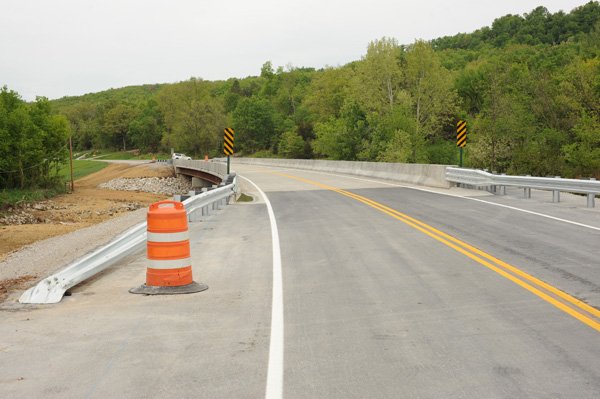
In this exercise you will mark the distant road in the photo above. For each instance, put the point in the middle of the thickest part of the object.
(125, 161)
(387, 292)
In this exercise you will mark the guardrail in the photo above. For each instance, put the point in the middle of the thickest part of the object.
(52, 288)
(480, 178)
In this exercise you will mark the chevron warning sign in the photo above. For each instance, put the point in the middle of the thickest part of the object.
(228, 141)
(461, 134)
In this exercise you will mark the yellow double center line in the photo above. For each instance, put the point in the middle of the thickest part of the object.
(573, 306)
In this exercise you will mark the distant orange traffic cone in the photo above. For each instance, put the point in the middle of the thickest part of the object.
(169, 268)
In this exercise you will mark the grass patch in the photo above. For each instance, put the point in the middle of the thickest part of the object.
(156, 156)
(126, 155)
(17, 196)
(117, 156)
(12, 197)
(80, 169)
(244, 198)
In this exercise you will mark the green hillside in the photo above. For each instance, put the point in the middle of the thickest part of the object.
(528, 87)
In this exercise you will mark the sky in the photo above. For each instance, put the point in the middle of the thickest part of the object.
(71, 47)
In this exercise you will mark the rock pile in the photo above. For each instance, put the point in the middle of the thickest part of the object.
(48, 205)
(155, 185)
(49, 212)
(21, 217)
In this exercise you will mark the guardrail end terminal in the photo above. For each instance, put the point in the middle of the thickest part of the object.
(52, 288)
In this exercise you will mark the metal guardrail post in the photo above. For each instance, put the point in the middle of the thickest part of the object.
(591, 197)
(527, 191)
(556, 193)
(555, 196)
(503, 187)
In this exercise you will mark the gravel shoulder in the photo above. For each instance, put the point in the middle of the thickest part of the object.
(40, 259)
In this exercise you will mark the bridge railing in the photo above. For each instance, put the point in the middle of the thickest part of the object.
(214, 168)
(480, 178)
(421, 174)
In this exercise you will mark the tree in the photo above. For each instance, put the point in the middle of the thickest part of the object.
(504, 126)
(270, 80)
(146, 130)
(433, 99)
(292, 89)
(253, 120)
(392, 138)
(117, 123)
(399, 148)
(327, 92)
(332, 140)
(232, 96)
(32, 141)
(84, 120)
(291, 145)
(266, 71)
(342, 138)
(470, 85)
(583, 155)
(193, 118)
(379, 76)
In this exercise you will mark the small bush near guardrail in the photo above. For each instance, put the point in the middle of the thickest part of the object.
(244, 198)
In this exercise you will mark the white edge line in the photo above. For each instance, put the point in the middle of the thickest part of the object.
(274, 387)
(535, 213)
(450, 195)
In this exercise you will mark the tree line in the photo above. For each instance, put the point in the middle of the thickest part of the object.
(33, 142)
(528, 87)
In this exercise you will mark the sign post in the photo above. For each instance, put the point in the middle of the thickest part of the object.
(228, 146)
(461, 138)
(71, 162)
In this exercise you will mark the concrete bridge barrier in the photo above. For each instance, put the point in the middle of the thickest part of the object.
(421, 174)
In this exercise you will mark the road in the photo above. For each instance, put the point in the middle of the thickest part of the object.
(386, 292)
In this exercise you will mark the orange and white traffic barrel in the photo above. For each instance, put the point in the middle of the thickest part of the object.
(169, 269)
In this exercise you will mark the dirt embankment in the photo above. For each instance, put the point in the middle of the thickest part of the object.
(86, 206)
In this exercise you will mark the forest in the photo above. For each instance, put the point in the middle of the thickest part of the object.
(528, 87)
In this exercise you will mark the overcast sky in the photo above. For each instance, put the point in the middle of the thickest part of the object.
(55, 48)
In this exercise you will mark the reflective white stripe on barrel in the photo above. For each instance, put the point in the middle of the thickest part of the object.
(168, 237)
(169, 264)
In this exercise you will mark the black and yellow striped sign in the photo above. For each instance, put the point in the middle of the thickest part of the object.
(228, 141)
(461, 134)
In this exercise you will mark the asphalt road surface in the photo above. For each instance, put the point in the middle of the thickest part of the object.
(367, 290)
